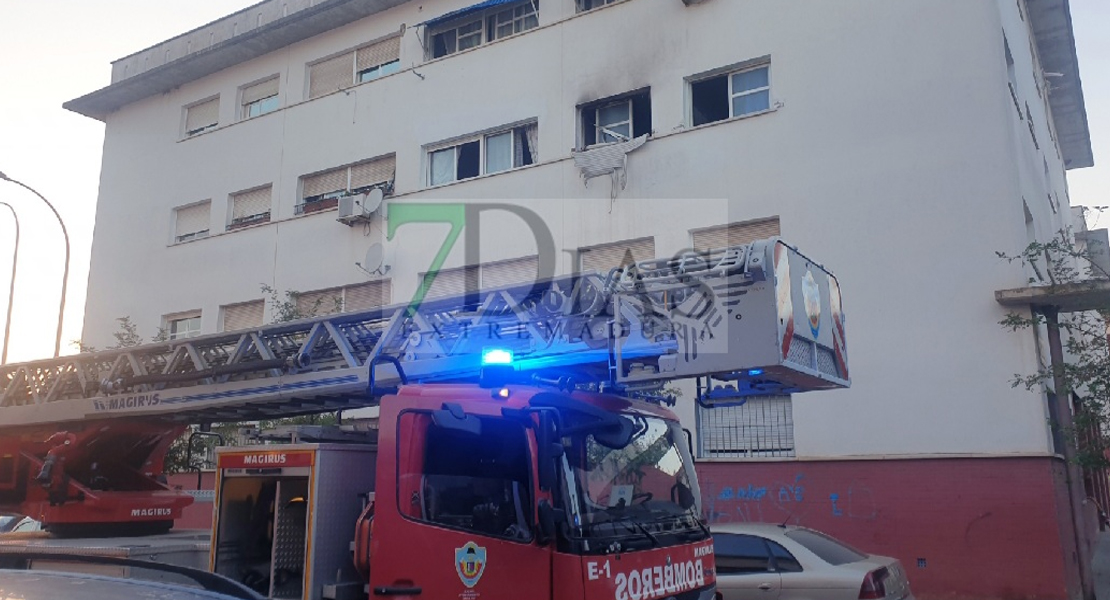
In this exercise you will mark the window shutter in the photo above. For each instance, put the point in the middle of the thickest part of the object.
(510, 272)
(761, 427)
(202, 115)
(367, 295)
(318, 303)
(607, 256)
(247, 315)
(372, 172)
(383, 52)
(452, 281)
(251, 203)
(736, 234)
(330, 75)
(192, 219)
(260, 90)
(323, 183)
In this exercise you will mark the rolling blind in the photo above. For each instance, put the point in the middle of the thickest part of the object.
(250, 203)
(334, 180)
(246, 315)
(192, 219)
(372, 172)
(202, 115)
(330, 75)
(260, 90)
(320, 302)
(509, 272)
(452, 281)
(762, 427)
(735, 234)
(367, 295)
(606, 256)
(383, 52)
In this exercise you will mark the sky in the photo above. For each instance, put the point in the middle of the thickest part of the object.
(52, 51)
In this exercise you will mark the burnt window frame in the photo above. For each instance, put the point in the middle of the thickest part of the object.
(640, 116)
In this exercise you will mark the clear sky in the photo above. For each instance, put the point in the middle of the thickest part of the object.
(56, 50)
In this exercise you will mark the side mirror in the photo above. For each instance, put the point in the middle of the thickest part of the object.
(452, 417)
(549, 449)
(548, 525)
(682, 495)
(690, 444)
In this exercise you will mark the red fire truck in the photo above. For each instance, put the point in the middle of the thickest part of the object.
(524, 446)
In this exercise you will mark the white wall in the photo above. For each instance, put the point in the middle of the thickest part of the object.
(895, 158)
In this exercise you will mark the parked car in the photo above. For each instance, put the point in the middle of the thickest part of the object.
(18, 524)
(766, 561)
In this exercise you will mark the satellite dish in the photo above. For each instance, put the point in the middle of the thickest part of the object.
(375, 254)
(372, 202)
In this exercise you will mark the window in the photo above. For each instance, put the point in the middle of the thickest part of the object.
(484, 154)
(180, 326)
(349, 298)
(361, 64)
(1032, 128)
(191, 222)
(477, 483)
(739, 554)
(731, 94)
(616, 119)
(763, 427)
(245, 315)
(250, 208)
(827, 549)
(604, 257)
(783, 559)
(322, 191)
(461, 280)
(202, 116)
(735, 234)
(259, 99)
(584, 5)
(471, 28)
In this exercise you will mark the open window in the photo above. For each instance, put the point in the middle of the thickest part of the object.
(584, 5)
(250, 207)
(478, 24)
(500, 150)
(322, 190)
(616, 119)
(259, 98)
(731, 93)
(473, 482)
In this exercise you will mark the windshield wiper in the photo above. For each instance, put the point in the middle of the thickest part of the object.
(644, 530)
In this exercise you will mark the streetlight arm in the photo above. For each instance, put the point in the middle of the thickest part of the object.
(65, 273)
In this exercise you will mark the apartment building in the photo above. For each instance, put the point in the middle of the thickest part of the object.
(902, 143)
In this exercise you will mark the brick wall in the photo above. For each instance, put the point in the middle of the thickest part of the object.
(963, 528)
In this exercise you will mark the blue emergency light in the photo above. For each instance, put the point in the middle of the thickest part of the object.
(755, 372)
(497, 356)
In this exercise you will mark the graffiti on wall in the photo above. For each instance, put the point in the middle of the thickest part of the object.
(786, 502)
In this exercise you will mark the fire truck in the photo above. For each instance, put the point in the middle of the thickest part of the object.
(525, 439)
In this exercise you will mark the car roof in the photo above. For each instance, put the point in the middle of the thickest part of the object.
(756, 528)
(49, 585)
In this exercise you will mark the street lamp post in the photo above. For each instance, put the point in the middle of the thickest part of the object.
(65, 273)
(11, 287)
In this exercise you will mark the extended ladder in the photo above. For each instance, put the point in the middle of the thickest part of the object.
(761, 317)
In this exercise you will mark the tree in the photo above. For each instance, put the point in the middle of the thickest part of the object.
(1086, 369)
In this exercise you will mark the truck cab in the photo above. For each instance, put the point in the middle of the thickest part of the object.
(485, 493)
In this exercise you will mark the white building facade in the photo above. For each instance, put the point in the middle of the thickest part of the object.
(900, 143)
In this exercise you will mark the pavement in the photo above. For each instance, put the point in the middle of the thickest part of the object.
(1100, 566)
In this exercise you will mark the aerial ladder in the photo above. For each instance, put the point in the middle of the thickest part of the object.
(83, 437)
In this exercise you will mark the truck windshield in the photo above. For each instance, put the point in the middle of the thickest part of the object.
(651, 480)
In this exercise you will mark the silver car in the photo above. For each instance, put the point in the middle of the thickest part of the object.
(765, 561)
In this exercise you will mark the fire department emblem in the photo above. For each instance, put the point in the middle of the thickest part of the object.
(470, 563)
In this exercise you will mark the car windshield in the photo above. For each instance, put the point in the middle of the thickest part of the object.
(827, 549)
(652, 478)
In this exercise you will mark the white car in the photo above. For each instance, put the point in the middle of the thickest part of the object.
(765, 561)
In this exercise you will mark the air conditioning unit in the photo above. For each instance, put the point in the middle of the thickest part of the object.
(358, 208)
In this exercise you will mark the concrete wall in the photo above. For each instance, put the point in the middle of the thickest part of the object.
(894, 156)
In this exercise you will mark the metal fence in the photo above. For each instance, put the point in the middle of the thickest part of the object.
(763, 427)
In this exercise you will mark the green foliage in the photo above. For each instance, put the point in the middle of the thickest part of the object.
(1086, 369)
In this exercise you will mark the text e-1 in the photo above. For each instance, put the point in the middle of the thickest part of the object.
(594, 572)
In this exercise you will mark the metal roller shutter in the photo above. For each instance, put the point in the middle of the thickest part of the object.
(330, 75)
(509, 272)
(367, 295)
(383, 52)
(735, 234)
(604, 257)
(200, 116)
(260, 90)
(192, 219)
(372, 172)
(452, 281)
(320, 302)
(250, 203)
(247, 315)
(334, 180)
